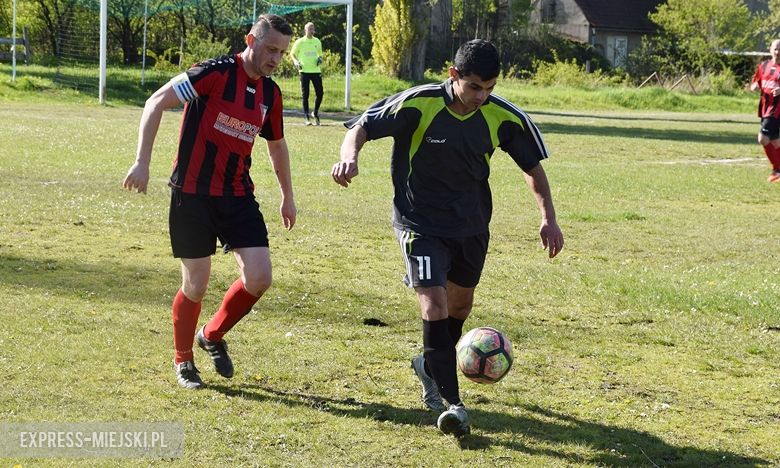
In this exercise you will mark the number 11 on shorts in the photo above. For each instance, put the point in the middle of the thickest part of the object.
(423, 267)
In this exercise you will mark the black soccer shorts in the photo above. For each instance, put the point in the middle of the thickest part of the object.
(770, 127)
(197, 221)
(432, 261)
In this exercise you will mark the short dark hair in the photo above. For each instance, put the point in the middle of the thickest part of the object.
(267, 22)
(478, 57)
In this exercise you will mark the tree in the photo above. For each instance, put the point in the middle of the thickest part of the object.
(703, 29)
(769, 28)
(56, 16)
(392, 34)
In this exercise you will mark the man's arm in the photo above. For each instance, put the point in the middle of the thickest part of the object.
(137, 177)
(280, 162)
(550, 233)
(293, 51)
(347, 167)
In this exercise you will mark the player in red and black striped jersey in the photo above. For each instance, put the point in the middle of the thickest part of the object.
(767, 80)
(228, 101)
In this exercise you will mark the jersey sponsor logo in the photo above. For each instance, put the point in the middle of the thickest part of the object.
(435, 141)
(236, 128)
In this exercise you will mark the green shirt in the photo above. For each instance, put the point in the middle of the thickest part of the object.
(307, 52)
(441, 160)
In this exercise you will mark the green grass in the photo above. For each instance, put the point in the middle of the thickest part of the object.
(652, 340)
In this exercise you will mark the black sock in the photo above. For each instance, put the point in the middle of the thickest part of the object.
(439, 352)
(456, 328)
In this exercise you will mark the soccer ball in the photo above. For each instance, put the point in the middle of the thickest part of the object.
(484, 355)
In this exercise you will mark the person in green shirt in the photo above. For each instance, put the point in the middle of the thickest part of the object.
(306, 54)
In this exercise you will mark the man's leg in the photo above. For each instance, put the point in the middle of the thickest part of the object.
(305, 96)
(186, 309)
(318, 94)
(769, 139)
(438, 347)
(187, 303)
(459, 303)
(254, 264)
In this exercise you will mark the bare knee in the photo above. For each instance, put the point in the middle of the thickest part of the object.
(257, 283)
(195, 277)
(763, 140)
(194, 289)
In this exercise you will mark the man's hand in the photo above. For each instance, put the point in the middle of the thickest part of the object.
(319, 60)
(552, 237)
(137, 178)
(343, 172)
(289, 212)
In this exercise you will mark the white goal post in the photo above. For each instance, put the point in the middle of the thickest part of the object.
(347, 52)
(348, 48)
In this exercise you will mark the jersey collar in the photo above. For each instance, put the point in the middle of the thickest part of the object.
(449, 95)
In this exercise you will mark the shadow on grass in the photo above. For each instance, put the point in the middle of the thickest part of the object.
(531, 433)
(649, 133)
(699, 118)
(108, 281)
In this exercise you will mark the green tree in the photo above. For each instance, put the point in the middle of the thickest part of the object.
(769, 28)
(392, 34)
(703, 29)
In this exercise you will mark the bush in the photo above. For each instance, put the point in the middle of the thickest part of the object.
(198, 49)
(566, 73)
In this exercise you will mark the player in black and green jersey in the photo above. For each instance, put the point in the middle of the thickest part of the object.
(444, 136)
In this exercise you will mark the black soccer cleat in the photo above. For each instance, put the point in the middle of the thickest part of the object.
(187, 375)
(218, 352)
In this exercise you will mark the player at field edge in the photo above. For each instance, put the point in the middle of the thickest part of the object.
(228, 101)
(766, 80)
(444, 136)
(306, 54)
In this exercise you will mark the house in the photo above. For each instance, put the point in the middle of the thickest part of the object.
(613, 27)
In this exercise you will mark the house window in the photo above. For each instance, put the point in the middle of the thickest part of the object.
(617, 50)
(548, 11)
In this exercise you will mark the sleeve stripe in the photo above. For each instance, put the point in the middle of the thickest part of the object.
(391, 105)
(532, 128)
(183, 88)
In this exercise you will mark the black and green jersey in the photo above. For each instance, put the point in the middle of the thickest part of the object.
(441, 161)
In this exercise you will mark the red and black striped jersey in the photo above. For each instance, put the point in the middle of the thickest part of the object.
(224, 110)
(768, 78)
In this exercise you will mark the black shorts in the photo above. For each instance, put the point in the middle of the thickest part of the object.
(432, 261)
(197, 221)
(770, 127)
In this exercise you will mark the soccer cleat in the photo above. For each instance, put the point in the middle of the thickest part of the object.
(430, 391)
(774, 177)
(316, 119)
(306, 120)
(187, 375)
(218, 352)
(454, 421)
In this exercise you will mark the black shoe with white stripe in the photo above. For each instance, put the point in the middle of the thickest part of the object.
(218, 352)
(187, 375)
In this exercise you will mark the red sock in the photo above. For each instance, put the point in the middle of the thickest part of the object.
(185, 321)
(775, 158)
(773, 154)
(236, 304)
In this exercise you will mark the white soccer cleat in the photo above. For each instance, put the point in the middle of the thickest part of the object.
(454, 421)
(430, 391)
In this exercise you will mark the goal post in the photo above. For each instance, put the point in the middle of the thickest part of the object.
(348, 47)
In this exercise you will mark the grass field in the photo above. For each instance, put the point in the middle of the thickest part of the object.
(652, 340)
